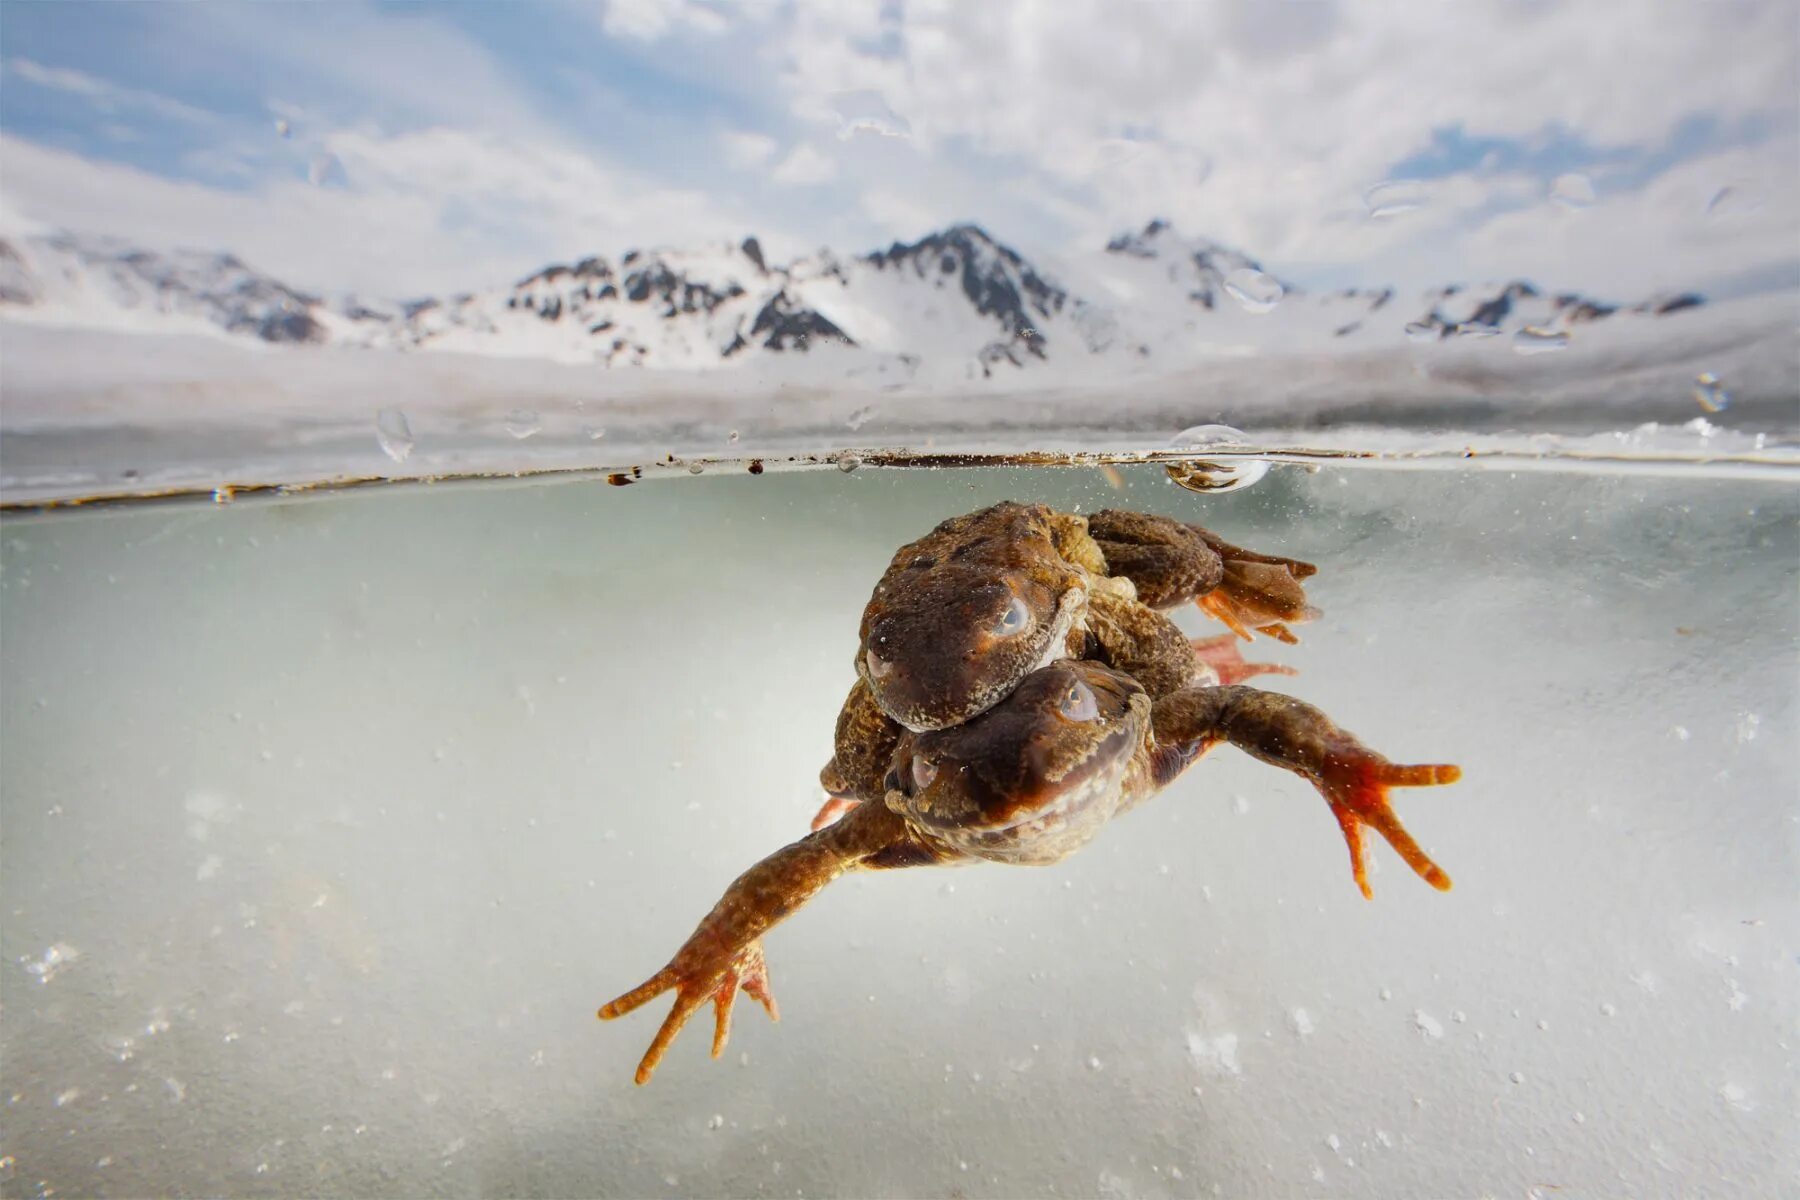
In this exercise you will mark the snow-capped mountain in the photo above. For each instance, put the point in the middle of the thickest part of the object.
(955, 303)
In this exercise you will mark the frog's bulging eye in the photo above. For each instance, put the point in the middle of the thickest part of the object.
(1013, 620)
(879, 667)
(1078, 703)
(923, 772)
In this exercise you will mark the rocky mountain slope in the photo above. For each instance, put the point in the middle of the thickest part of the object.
(956, 303)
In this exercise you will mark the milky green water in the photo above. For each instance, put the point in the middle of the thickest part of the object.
(326, 824)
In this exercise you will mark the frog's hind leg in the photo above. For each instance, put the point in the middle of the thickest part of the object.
(1172, 563)
(1220, 655)
(1260, 596)
(1169, 563)
(1297, 737)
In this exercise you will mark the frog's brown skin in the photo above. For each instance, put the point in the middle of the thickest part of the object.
(1172, 564)
(964, 613)
(1029, 781)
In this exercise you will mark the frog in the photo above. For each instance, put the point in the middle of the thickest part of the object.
(965, 612)
(1027, 782)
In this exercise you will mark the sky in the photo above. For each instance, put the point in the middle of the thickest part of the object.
(399, 150)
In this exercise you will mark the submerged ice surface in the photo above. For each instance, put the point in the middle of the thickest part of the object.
(329, 822)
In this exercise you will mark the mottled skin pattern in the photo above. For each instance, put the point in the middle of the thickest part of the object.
(1029, 781)
(1171, 564)
(964, 613)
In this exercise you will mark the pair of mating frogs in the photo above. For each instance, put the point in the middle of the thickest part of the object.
(1018, 687)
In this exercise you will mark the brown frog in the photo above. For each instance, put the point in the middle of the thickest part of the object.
(1028, 781)
(964, 613)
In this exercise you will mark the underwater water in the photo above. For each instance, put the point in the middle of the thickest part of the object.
(328, 823)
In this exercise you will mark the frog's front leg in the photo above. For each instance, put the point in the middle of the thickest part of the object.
(724, 953)
(1293, 735)
(1172, 563)
(862, 747)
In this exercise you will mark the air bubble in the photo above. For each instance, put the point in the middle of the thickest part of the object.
(394, 434)
(732, 437)
(848, 462)
(1226, 476)
(695, 468)
(1534, 339)
(522, 423)
(1393, 197)
(1422, 331)
(1710, 394)
(1253, 290)
(282, 128)
(594, 433)
(55, 960)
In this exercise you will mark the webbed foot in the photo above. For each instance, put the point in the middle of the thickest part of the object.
(1220, 655)
(1260, 595)
(694, 985)
(1355, 781)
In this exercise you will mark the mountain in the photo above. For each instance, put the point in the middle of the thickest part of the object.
(954, 304)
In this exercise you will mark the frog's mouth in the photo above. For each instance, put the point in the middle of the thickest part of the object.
(1086, 788)
(1055, 817)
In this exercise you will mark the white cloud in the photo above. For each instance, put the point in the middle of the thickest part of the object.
(648, 20)
(436, 211)
(106, 97)
(804, 167)
(746, 149)
(1056, 123)
(1264, 124)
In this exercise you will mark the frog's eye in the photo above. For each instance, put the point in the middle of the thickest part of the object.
(879, 667)
(923, 772)
(1013, 620)
(1078, 703)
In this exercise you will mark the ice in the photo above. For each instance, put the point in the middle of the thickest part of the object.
(1546, 631)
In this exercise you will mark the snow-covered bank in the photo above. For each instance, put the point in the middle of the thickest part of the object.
(85, 412)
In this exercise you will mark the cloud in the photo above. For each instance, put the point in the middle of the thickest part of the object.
(430, 212)
(648, 20)
(1056, 123)
(106, 97)
(1263, 125)
(804, 167)
(746, 149)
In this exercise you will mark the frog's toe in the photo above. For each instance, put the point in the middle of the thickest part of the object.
(750, 972)
(1220, 656)
(1356, 783)
(833, 808)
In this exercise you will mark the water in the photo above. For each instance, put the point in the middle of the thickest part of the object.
(329, 822)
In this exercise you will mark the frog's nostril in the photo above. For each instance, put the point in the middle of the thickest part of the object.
(879, 667)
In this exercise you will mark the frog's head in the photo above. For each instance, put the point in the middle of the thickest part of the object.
(944, 641)
(1035, 776)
